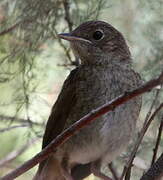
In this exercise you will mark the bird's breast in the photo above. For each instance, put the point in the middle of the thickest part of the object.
(111, 132)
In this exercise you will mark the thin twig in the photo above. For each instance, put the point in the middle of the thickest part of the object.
(157, 141)
(142, 133)
(66, 50)
(66, 134)
(113, 171)
(15, 153)
(66, 6)
(12, 127)
(69, 21)
(20, 120)
(128, 173)
(152, 106)
(11, 28)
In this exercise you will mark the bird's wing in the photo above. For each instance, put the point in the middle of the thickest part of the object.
(60, 111)
(57, 120)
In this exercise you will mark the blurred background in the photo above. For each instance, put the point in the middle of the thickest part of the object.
(34, 63)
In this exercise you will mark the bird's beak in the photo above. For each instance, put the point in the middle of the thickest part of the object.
(69, 37)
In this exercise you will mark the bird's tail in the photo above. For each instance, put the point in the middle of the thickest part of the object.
(49, 170)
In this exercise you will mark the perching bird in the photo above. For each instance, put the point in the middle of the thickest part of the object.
(105, 72)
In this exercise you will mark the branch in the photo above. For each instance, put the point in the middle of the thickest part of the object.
(10, 29)
(14, 27)
(66, 5)
(142, 133)
(155, 172)
(14, 154)
(113, 171)
(157, 141)
(152, 106)
(127, 171)
(66, 134)
(12, 127)
(19, 120)
(66, 50)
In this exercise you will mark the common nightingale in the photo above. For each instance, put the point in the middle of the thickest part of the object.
(104, 73)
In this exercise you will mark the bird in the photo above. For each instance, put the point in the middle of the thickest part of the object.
(105, 72)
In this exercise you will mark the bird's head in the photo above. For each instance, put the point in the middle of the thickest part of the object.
(97, 42)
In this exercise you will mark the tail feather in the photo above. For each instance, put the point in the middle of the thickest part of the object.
(51, 170)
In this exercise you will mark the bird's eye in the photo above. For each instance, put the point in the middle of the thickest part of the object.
(97, 35)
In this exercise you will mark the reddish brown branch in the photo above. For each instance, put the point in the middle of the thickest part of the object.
(157, 141)
(142, 133)
(66, 134)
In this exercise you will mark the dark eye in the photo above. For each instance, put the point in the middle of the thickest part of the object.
(97, 35)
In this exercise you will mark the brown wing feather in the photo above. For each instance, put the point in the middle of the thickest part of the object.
(60, 111)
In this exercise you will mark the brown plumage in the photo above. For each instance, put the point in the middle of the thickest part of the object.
(105, 73)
